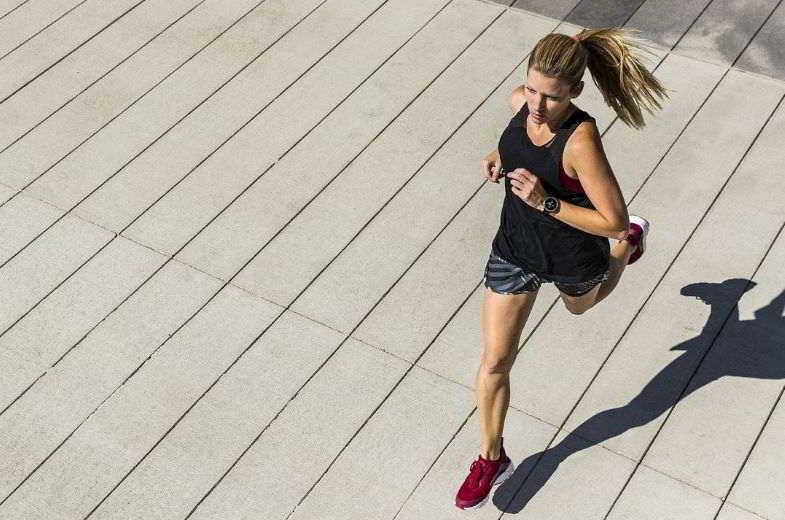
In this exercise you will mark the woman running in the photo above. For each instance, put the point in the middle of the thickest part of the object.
(562, 203)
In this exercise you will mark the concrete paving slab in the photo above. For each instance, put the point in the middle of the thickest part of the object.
(583, 344)
(603, 13)
(72, 127)
(90, 164)
(765, 55)
(404, 229)
(41, 419)
(662, 366)
(192, 204)
(652, 495)
(229, 242)
(422, 302)
(663, 22)
(208, 444)
(6, 192)
(723, 31)
(386, 459)
(78, 71)
(759, 486)
(23, 217)
(455, 353)
(287, 354)
(142, 182)
(732, 512)
(87, 467)
(45, 264)
(58, 40)
(313, 239)
(306, 437)
(434, 496)
(723, 414)
(633, 155)
(7, 6)
(571, 480)
(38, 340)
(30, 19)
(556, 9)
(344, 292)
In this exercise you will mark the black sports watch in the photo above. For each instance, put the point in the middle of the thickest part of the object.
(551, 205)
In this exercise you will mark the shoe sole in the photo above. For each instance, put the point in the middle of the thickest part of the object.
(504, 475)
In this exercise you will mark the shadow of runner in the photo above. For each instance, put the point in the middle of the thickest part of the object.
(749, 348)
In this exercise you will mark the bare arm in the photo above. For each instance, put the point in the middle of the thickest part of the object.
(585, 156)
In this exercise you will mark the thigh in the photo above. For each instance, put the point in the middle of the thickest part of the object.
(503, 318)
(582, 303)
(582, 296)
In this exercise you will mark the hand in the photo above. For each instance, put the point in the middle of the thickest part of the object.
(491, 167)
(527, 187)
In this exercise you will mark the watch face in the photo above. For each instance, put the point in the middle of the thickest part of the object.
(551, 204)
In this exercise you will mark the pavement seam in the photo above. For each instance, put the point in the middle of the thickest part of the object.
(749, 42)
(252, 343)
(128, 107)
(13, 9)
(501, 13)
(692, 24)
(102, 76)
(495, 89)
(154, 141)
(42, 29)
(653, 171)
(69, 212)
(555, 300)
(714, 339)
(6, 98)
(112, 311)
(768, 417)
(433, 463)
(303, 315)
(672, 50)
(758, 515)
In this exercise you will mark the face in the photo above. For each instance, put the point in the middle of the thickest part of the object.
(548, 98)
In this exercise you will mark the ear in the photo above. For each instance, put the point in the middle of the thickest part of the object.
(576, 90)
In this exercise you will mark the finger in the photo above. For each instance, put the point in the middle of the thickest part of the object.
(486, 170)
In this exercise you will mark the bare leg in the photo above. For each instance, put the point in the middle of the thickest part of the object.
(503, 318)
(619, 256)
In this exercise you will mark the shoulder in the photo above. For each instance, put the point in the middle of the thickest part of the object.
(584, 139)
(517, 99)
(583, 151)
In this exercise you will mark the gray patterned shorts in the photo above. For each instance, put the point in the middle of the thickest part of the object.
(502, 277)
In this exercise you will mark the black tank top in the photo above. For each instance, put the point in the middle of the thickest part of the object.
(531, 239)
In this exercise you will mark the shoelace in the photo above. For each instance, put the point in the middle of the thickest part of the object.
(477, 475)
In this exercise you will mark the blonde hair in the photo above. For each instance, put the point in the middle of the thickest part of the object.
(613, 58)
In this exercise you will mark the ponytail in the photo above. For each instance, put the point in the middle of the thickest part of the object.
(613, 58)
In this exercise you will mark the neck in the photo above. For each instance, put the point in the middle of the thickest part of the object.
(554, 125)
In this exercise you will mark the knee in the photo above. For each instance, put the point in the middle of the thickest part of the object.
(575, 309)
(497, 364)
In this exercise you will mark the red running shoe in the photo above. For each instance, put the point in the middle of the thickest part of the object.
(639, 228)
(483, 475)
